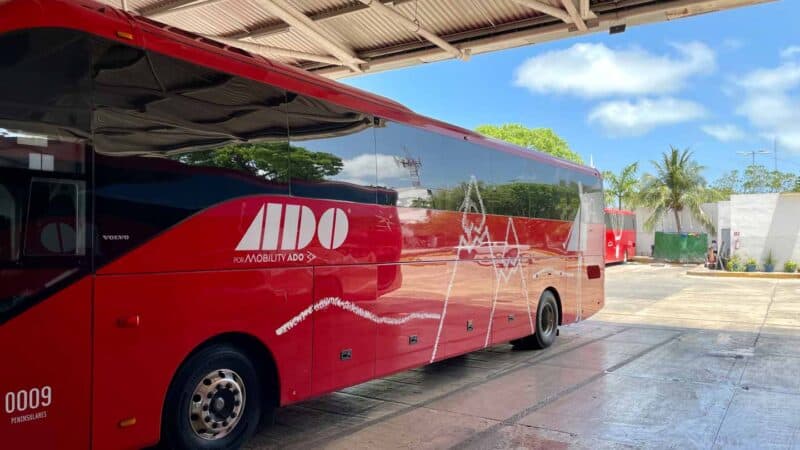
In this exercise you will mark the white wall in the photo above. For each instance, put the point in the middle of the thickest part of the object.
(763, 222)
(766, 222)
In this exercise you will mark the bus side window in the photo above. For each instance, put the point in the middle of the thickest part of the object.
(55, 220)
(630, 223)
(331, 151)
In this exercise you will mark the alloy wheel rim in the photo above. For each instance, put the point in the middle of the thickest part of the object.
(216, 405)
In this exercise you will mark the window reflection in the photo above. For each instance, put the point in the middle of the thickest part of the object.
(429, 170)
(55, 218)
(332, 153)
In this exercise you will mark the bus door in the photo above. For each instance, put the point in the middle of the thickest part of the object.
(45, 282)
(45, 293)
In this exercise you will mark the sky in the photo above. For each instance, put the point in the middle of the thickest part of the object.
(718, 84)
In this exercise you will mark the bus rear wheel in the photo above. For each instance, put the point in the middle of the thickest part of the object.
(214, 401)
(546, 325)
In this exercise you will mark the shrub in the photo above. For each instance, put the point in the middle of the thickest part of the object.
(734, 264)
(769, 260)
(790, 266)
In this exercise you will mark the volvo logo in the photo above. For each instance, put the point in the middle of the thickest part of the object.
(299, 226)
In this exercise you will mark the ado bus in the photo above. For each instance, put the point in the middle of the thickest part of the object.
(192, 236)
(620, 235)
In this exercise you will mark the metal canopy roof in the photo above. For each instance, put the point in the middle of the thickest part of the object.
(339, 38)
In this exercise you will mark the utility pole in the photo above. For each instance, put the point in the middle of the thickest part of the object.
(775, 152)
(753, 154)
(412, 165)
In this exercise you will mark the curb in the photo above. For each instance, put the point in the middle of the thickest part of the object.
(703, 272)
(641, 259)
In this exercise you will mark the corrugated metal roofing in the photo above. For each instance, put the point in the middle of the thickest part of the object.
(378, 42)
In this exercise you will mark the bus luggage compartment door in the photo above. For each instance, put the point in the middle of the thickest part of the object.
(345, 326)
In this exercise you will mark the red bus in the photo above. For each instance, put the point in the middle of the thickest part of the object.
(192, 236)
(620, 235)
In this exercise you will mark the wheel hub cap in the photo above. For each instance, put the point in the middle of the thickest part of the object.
(216, 405)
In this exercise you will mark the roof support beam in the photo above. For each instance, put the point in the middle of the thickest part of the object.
(276, 51)
(569, 5)
(182, 7)
(323, 16)
(547, 9)
(539, 29)
(164, 7)
(586, 10)
(415, 27)
(289, 14)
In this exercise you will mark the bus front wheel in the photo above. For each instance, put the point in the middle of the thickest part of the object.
(546, 325)
(214, 401)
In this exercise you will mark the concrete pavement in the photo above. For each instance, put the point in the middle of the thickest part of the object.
(671, 362)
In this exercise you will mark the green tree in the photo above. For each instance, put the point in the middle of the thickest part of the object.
(756, 179)
(622, 187)
(729, 183)
(521, 199)
(271, 161)
(676, 185)
(541, 139)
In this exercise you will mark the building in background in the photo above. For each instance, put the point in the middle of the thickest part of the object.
(750, 225)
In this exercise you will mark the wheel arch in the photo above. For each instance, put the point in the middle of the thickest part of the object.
(255, 349)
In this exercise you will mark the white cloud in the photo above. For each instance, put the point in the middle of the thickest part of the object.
(361, 169)
(594, 70)
(771, 102)
(626, 118)
(724, 133)
(790, 52)
(778, 79)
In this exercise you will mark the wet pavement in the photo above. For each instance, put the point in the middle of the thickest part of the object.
(672, 361)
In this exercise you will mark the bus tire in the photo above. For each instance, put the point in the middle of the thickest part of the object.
(546, 325)
(214, 401)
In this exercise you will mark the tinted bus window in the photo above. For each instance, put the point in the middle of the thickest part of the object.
(429, 170)
(55, 222)
(459, 164)
(44, 125)
(630, 222)
(512, 179)
(332, 151)
(404, 159)
(591, 197)
(529, 188)
(172, 138)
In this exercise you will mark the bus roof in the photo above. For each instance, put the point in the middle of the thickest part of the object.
(624, 212)
(111, 23)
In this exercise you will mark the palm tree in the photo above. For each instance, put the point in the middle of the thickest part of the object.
(677, 185)
(622, 187)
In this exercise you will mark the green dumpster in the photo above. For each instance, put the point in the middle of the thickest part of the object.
(681, 247)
